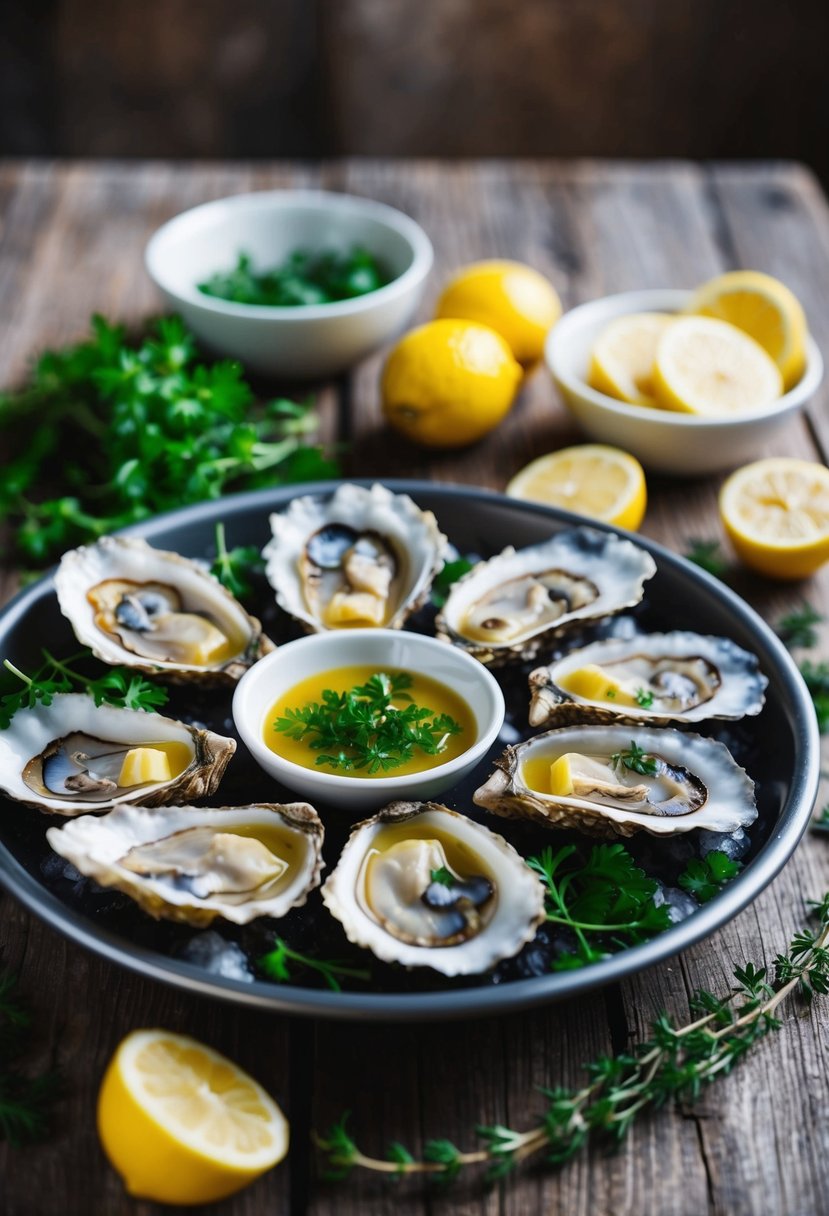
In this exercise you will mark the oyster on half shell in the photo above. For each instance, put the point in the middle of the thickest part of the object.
(156, 611)
(650, 678)
(506, 608)
(601, 780)
(364, 557)
(73, 757)
(193, 864)
(424, 886)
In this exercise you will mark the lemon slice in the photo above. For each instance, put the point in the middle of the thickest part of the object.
(713, 369)
(182, 1124)
(590, 479)
(764, 308)
(621, 362)
(776, 514)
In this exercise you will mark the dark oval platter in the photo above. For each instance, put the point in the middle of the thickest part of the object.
(779, 749)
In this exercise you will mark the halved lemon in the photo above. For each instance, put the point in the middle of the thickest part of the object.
(776, 515)
(713, 369)
(763, 307)
(621, 362)
(182, 1124)
(590, 479)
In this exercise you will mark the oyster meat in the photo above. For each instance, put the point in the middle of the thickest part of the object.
(364, 557)
(424, 886)
(652, 678)
(600, 780)
(193, 864)
(74, 756)
(507, 607)
(156, 611)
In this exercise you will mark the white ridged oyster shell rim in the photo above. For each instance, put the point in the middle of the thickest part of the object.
(365, 509)
(95, 846)
(519, 894)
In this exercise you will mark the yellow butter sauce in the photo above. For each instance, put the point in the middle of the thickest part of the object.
(424, 691)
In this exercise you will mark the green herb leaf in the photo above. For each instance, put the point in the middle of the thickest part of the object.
(366, 727)
(704, 878)
(234, 568)
(25, 1100)
(302, 278)
(276, 965)
(605, 900)
(816, 676)
(636, 760)
(820, 823)
(707, 554)
(450, 574)
(799, 628)
(445, 877)
(119, 686)
(644, 697)
(120, 431)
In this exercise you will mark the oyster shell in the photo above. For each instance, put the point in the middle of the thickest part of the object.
(652, 678)
(661, 781)
(363, 557)
(156, 611)
(507, 607)
(193, 864)
(424, 886)
(67, 757)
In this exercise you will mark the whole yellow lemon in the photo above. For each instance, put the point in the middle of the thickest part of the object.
(515, 300)
(448, 382)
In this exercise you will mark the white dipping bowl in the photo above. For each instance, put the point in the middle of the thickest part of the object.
(309, 340)
(281, 670)
(663, 440)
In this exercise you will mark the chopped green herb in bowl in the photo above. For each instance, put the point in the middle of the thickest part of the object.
(321, 277)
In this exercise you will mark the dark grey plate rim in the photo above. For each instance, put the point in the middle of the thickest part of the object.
(516, 995)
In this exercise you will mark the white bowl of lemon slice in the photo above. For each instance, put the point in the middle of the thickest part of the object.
(721, 397)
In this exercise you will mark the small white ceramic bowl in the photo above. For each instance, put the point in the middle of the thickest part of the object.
(310, 340)
(273, 675)
(664, 441)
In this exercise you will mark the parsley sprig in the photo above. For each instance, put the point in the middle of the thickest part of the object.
(119, 431)
(674, 1064)
(303, 277)
(234, 568)
(707, 554)
(705, 877)
(277, 963)
(636, 759)
(363, 728)
(816, 676)
(118, 686)
(606, 901)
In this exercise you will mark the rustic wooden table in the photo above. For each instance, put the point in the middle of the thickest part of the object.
(71, 240)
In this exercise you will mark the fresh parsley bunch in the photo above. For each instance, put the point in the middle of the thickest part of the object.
(119, 431)
(364, 729)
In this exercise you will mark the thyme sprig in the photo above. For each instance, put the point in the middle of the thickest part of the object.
(25, 1099)
(674, 1064)
(799, 628)
(277, 963)
(367, 727)
(118, 686)
(605, 901)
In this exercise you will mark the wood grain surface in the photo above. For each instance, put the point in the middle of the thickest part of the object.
(757, 1143)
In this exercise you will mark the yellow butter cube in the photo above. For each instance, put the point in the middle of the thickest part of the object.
(561, 776)
(591, 683)
(144, 765)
